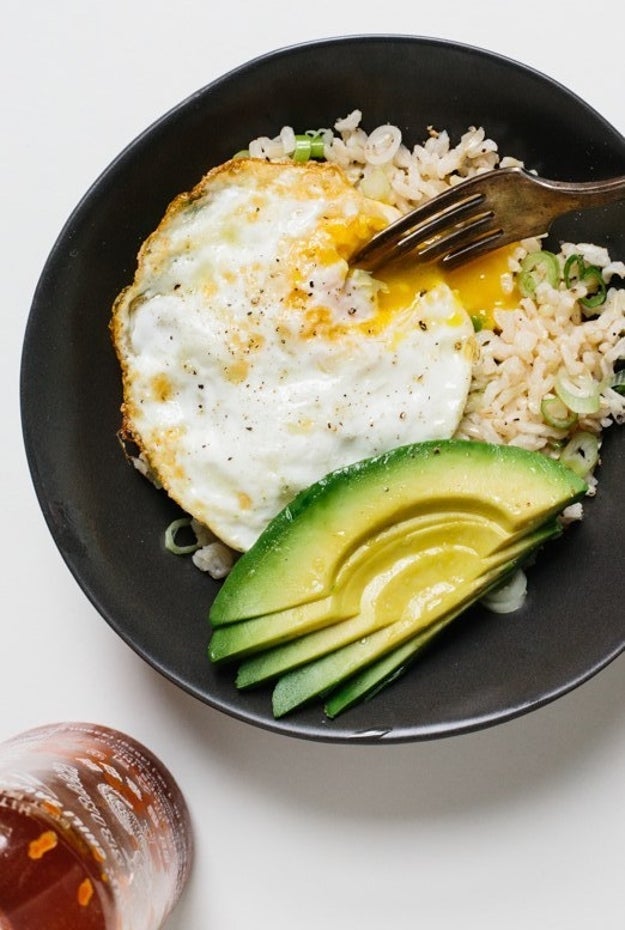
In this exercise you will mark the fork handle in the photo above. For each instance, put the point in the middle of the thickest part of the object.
(583, 194)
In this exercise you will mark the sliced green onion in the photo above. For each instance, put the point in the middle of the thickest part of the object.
(581, 394)
(556, 413)
(509, 596)
(170, 537)
(536, 267)
(593, 276)
(576, 271)
(573, 269)
(618, 382)
(308, 146)
(317, 147)
(581, 453)
(243, 153)
(478, 322)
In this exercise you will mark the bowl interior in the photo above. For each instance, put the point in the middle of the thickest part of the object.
(108, 521)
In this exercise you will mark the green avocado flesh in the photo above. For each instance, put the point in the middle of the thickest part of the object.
(433, 604)
(316, 678)
(384, 587)
(364, 583)
(351, 580)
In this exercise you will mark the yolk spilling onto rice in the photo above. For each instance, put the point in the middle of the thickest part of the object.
(479, 285)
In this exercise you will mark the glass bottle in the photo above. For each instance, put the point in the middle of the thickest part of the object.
(94, 832)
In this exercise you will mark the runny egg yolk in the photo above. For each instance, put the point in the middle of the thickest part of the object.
(482, 286)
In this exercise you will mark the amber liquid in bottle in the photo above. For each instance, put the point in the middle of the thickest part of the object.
(94, 832)
(44, 882)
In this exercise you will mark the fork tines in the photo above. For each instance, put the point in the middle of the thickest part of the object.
(443, 228)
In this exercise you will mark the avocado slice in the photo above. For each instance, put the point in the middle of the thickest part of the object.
(303, 684)
(237, 640)
(423, 562)
(377, 675)
(363, 585)
(298, 558)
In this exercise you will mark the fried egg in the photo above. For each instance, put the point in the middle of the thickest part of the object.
(255, 360)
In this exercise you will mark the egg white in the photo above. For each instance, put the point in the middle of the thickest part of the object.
(255, 361)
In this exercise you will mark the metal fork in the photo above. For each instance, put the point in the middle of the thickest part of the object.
(483, 213)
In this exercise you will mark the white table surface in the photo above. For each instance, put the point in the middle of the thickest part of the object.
(518, 826)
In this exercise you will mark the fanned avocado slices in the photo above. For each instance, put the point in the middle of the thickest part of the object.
(269, 664)
(369, 587)
(350, 580)
(323, 676)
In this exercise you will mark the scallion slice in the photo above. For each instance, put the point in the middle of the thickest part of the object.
(536, 267)
(556, 413)
(581, 394)
(593, 279)
(308, 146)
(581, 453)
(317, 147)
(509, 596)
(170, 537)
(573, 270)
(576, 271)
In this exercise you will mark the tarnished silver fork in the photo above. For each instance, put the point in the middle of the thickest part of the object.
(483, 213)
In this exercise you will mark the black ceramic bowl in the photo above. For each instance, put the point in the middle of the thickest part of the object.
(108, 522)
